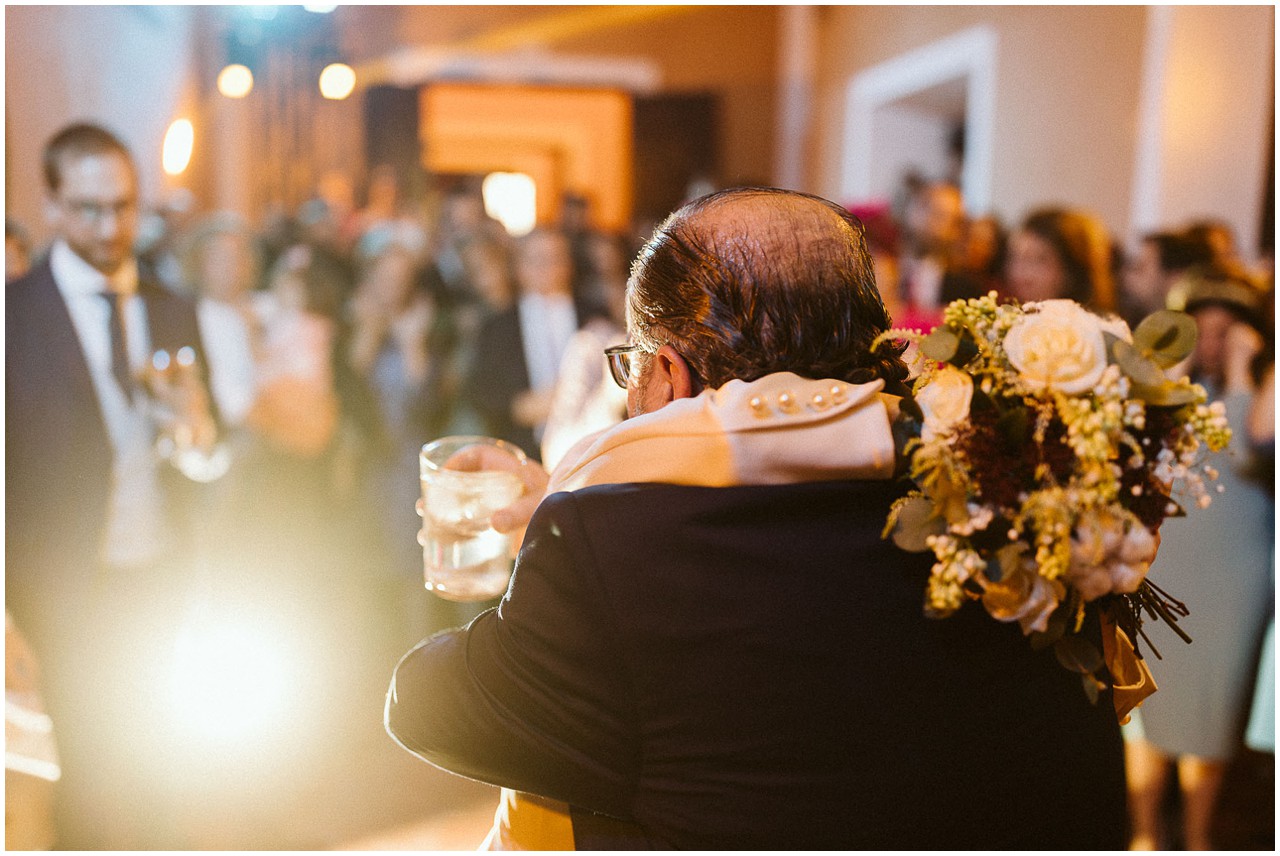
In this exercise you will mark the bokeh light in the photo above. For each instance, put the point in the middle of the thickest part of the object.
(235, 81)
(337, 81)
(179, 141)
(511, 198)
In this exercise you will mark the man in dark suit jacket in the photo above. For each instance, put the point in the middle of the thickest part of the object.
(739, 659)
(518, 356)
(89, 535)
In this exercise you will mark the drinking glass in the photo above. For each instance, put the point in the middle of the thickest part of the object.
(464, 557)
(188, 435)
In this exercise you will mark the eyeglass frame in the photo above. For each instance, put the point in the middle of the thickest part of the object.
(619, 359)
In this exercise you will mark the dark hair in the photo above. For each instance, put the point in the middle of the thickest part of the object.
(76, 141)
(1084, 250)
(796, 293)
(1178, 252)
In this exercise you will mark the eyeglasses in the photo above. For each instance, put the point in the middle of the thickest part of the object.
(94, 211)
(619, 358)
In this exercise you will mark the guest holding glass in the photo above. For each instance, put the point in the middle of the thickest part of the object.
(94, 526)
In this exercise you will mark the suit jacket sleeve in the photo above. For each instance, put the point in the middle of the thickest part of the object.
(531, 695)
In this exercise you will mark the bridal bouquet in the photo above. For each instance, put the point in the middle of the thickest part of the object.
(1050, 440)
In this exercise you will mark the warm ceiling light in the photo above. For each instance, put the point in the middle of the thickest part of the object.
(337, 81)
(235, 81)
(178, 143)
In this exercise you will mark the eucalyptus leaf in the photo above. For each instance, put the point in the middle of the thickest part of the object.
(1166, 337)
(940, 345)
(965, 351)
(916, 522)
(1140, 369)
(1078, 654)
(1164, 394)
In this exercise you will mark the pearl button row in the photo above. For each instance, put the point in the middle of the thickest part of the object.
(788, 403)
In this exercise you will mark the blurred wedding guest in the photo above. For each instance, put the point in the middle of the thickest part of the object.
(514, 374)
(1160, 259)
(586, 399)
(930, 275)
(398, 351)
(1217, 561)
(222, 265)
(17, 250)
(462, 219)
(296, 408)
(981, 252)
(161, 235)
(93, 524)
(1217, 239)
(1060, 253)
(884, 244)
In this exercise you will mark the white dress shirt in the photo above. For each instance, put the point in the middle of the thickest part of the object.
(135, 533)
(547, 323)
(228, 342)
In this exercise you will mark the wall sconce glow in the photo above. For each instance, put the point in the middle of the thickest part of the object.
(511, 198)
(235, 81)
(179, 140)
(337, 81)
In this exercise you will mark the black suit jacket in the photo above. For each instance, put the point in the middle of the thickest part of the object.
(750, 667)
(497, 376)
(58, 456)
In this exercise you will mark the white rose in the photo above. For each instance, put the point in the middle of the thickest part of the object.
(945, 401)
(1060, 346)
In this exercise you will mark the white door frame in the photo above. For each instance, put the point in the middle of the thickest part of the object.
(969, 54)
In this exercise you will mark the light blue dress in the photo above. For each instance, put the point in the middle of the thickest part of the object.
(1218, 562)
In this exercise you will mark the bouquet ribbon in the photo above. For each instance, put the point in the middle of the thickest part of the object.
(1131, 680)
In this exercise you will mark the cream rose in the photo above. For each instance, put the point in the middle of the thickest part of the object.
(945, 401)
(1058, 346)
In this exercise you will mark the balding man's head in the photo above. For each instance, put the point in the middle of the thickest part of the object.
(750, 281)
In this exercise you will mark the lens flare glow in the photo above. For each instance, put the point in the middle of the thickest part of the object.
(179, 141)
(337, 81)
(511, 198)
(235, 81)
(228, 679)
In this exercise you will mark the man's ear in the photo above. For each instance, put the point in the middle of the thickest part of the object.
(670, 368)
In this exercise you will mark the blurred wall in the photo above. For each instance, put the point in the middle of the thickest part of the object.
(126, 67)
(1066, 94)
(729, 50)
(1069, 103)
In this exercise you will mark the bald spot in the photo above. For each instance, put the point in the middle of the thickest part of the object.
(773, 227)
